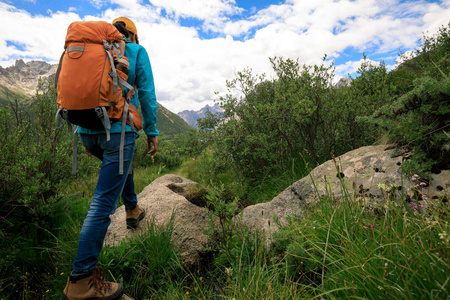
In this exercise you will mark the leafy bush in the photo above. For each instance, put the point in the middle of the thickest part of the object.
(35, 155)
(419, 118)
(299, 117)
(36, 161)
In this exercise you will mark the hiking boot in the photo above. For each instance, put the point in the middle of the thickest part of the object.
(134, 216)
(91, 286)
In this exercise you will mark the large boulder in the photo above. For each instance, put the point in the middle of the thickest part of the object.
(367, 173)
(161, 200)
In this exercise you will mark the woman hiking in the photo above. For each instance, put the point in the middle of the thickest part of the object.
(86, 281)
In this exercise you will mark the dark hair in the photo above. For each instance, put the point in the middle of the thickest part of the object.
(121, 27)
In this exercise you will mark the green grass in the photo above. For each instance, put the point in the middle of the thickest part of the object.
(339, 249)
(395, 250)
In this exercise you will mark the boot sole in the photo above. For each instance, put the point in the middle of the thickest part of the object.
(133, 223)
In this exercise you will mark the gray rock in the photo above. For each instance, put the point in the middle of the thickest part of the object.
(161, 203)
(367, 173)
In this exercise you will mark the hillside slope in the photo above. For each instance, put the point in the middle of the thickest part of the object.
(170, 123)
(8, 96)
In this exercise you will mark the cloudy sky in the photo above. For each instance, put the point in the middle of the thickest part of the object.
(196, 45)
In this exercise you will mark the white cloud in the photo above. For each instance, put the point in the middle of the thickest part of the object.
(198, 9)
(97, 3)
(40, 36)
(188, 69)
(352, 67)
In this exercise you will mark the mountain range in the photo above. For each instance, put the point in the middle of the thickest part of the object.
(191, 116)
(19, 82)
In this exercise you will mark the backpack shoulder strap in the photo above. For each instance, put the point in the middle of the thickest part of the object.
(59, 69)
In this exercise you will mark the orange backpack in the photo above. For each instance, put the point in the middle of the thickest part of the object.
(90, 80)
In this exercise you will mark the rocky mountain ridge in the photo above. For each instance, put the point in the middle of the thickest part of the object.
(191, 116)
(23, 77)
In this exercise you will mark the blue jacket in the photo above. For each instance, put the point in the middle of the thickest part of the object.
(139, 74)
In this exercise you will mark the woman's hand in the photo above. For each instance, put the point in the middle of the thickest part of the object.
(152, 145)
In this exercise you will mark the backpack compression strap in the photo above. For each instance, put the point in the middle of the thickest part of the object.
(125, 114)
(117, 49)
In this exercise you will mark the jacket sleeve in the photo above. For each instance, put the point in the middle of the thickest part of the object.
(146, 92)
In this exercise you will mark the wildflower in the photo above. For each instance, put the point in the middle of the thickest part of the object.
(108, 233)
(61, 274)
(423, 184)
(405, 217)
(372, 226)
(444, 236)
(414, 206)
(384, 187)
(424, 197)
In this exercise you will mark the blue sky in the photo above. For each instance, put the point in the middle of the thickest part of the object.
(196, 45)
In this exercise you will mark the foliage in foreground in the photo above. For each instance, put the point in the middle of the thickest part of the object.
(34, 160)
(346, 248)
(392, 250)
(419, 117)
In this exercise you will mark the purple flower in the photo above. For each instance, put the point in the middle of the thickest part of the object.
(367, 227)
(414, 206)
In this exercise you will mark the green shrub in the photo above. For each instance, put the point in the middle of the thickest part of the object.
(296, 118)
(36, 162)
(419, 119)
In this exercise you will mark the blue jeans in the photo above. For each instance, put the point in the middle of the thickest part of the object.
(110, 187)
